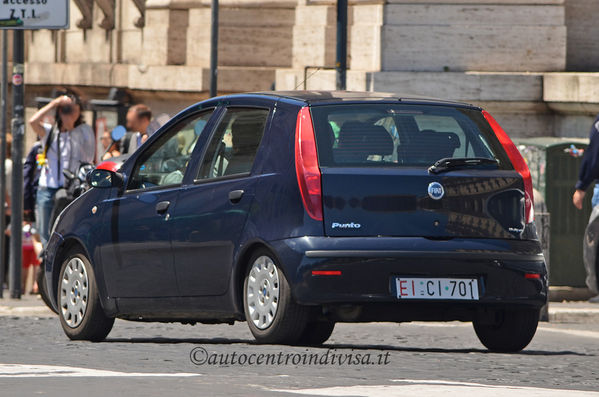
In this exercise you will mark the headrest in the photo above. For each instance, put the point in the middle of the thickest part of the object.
(361, 140)
(246, 131)
(432, 137)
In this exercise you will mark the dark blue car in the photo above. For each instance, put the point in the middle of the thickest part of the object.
(297, 210)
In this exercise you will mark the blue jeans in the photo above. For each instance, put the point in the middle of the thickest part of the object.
(43, 211)
(595, 199)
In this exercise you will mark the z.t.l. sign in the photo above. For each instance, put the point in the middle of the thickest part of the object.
(34, 14)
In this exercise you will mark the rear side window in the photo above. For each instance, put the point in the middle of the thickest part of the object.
(234, 145)
(375, 135)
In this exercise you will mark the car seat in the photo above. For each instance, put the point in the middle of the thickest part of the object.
(358, 141)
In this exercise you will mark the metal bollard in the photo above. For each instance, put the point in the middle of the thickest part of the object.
(542, 222)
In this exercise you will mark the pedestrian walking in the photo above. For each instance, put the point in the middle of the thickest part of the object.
(589, 174)
(31, 176)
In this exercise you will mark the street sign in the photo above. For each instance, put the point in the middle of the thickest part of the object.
(34, 14)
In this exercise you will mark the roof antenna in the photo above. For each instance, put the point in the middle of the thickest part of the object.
(304, 82)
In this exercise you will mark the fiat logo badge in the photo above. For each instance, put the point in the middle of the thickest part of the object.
(435, 190)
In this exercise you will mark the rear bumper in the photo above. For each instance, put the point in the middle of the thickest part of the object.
(369, 267)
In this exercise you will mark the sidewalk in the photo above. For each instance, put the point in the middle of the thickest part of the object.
(27, 306)
(562, 309)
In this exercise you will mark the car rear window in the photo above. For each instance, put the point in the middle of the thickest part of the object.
(383, 135)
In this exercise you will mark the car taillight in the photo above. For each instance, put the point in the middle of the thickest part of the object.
(306, 165)
(519, 165)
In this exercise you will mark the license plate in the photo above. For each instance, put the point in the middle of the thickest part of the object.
(437, 288)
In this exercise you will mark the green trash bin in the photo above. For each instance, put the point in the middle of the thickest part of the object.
(554, 165)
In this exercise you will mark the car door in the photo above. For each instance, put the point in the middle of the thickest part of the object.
(211, 213)
(138, 260)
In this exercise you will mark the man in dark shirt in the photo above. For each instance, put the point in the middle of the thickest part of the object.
(589, 169)
(139, 118)
(589, 173)
(31, 177)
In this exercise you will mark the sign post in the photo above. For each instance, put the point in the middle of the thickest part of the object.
(214, 49)
(18, 132)
(20, 15)
(341, 54)
(4, 94)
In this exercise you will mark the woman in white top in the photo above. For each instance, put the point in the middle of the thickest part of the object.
(65, 145)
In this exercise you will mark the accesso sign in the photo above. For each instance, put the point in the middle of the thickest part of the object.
(34, 14)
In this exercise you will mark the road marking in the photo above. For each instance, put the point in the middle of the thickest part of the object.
(589, 310)
(573, 332)
(410, 387)
(541, 327)
(52, 371)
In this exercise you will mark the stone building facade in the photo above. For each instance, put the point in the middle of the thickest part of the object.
(530, 62)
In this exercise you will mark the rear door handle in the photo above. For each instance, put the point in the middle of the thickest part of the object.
(162, 207)
(235, 196)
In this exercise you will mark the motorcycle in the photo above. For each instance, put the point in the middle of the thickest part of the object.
(75, 184)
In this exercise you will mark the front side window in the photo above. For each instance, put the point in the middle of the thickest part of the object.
(234, 145)
(388, 135)
(165, 162)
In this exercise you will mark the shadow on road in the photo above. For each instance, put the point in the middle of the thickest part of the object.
(333, 346)
(195, 341)
(439, 350)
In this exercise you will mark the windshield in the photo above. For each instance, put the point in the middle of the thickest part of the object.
(387, 135)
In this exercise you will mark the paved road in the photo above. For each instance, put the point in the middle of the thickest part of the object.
(425, 359)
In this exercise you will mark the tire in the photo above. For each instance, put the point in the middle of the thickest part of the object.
(270, 311)
(42, 288)
(80, 312)
(316, 333)
(512, 331)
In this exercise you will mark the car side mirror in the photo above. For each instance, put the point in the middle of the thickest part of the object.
(105, 179)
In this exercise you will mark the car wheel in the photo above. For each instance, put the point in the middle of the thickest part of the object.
(511, 332)
(316, 333)
(80, 312)
(270, 311)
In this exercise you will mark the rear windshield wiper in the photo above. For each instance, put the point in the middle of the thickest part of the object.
(447, 164)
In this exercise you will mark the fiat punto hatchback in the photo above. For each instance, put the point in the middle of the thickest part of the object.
(293, 211)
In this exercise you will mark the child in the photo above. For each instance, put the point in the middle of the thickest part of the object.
(32, 247)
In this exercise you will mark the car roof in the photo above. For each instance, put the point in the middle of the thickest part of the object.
(328, 97)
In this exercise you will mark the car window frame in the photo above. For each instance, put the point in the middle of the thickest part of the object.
(177, 125)
(207, 143)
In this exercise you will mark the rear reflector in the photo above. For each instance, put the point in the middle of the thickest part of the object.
(306, 165)
(326, 272)
(519, 165)
(534, 276)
